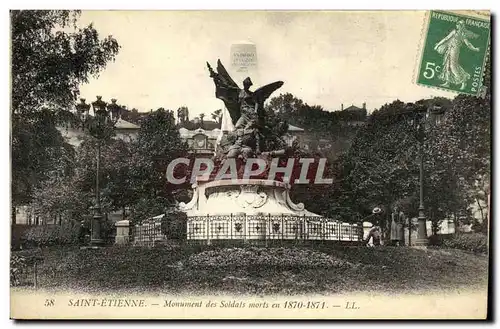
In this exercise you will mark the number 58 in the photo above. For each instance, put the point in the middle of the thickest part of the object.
(430, 70)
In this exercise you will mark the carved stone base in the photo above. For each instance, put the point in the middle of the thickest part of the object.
(249, 196)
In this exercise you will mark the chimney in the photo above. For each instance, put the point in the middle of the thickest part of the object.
(342, 106)
(364, 106)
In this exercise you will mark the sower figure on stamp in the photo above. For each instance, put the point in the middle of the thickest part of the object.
(452, 72)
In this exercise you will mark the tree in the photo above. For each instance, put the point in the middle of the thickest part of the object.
(38, 152)
(285, 104)
(133, 116)
(51, 57)
(380, 169)
(460, 156)
(60, 198)
(319, 124)
(158, 143)
(119, 165)
(131, 173)
(117, 190)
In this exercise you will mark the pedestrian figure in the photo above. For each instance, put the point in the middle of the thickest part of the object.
(397, 227)
(375, 234)
(83, 233)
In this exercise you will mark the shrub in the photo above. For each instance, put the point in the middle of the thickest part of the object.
(21, 268)
(18, 232)
(47, 235)
(174, 225)
(18, 265)
(475, 242)
(438, 239)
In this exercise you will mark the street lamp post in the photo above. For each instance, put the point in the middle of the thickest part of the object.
(115, 110)
(422, 220)
(99, 127)
(422, 239)
(100, 114)
(82, 109)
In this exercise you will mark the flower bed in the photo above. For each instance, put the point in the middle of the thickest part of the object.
(272, 257)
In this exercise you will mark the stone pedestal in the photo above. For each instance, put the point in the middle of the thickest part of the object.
(122, 232)
(246, 196)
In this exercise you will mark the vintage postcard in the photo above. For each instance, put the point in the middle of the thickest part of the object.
(250, 164)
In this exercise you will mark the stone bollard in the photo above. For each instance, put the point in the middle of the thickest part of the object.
(122, 232)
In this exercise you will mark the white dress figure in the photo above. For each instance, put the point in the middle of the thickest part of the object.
(449, 47)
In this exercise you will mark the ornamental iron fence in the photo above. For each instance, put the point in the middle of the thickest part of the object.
(250, 228)
(271, 227)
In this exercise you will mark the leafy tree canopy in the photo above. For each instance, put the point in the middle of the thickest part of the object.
(52, 56)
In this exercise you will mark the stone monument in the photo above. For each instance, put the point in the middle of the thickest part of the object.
(253, 208)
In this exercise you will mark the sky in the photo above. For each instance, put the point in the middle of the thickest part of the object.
(324, 58)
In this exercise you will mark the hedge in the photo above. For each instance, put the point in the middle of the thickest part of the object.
(475, 242)
(47, 235)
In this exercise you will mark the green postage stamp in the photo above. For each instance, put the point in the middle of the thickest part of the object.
(454, 52)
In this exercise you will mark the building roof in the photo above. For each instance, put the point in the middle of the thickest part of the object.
(186, 133)
(206, 125)
(212, 125)
(122, 124)
(352, 108)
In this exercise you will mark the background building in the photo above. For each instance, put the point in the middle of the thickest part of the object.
(124, 130)
(201, 135)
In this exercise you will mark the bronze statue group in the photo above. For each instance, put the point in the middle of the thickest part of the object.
(246, 109)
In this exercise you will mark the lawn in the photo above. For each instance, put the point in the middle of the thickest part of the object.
(277, 270)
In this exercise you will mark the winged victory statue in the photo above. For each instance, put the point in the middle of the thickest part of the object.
(246, 109)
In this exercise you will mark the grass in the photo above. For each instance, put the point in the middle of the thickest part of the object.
(251, 270)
